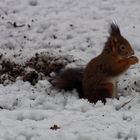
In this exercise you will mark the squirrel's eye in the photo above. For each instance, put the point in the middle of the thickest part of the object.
(122, 47)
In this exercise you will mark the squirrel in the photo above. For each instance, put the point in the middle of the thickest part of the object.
(98, 80)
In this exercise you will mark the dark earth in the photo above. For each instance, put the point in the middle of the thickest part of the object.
(39, 67)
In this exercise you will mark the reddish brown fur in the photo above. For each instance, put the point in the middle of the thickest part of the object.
(98, 80)
(99, 72)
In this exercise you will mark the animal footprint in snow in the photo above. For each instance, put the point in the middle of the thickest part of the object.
(127, 117)
(131, 135)
(136, 85)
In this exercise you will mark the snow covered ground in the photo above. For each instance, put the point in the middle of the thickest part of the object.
(76, 28)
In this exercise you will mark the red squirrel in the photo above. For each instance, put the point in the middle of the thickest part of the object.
(98, 80)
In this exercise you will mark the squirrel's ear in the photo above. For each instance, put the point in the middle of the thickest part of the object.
(113, 42)
(114, 30)
(110, 44)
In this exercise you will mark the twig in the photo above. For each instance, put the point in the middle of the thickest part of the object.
(124, 104)
(15, 24)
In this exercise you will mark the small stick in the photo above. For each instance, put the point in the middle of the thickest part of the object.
(124, 104)
(15, 24)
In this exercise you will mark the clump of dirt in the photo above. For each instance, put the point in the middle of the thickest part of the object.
(54, 127)
(31, 76)
(36, 68)
(9, 71)
(47, 63)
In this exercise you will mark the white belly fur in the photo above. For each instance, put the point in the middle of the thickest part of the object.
(114, 82)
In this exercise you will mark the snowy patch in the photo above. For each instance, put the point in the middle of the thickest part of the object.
(72, 32)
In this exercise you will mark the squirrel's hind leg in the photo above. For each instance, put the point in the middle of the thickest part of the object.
(103, 91)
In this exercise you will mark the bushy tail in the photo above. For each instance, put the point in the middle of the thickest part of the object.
(69, 79)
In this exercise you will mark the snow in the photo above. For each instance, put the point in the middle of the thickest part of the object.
(78, 29)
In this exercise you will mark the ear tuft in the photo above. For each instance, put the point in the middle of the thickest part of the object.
(114, 29)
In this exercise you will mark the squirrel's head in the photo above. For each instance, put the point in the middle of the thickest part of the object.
(117, 44)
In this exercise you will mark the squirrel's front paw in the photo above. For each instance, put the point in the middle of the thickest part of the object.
(133, 60)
